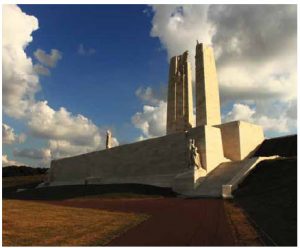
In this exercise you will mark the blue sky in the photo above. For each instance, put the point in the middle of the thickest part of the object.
(112, 71)
(102, 85)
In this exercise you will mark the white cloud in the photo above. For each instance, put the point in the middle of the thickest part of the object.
(152, 120)
(68, 134)
(178, 27)
(41, 70)
(47, 123)
(49, 60)
(64, 148)
(85, 51)
(146, 95)
(7, 162)
(19, 81)
(240, 112)
(280, 124)
(33, 153)
(255, 48)
(9, 136)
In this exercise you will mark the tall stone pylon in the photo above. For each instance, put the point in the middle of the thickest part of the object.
(207, 88)
(180, 99)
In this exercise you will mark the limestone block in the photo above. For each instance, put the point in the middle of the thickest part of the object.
(188, 180)
(240, 139)
(207, 88)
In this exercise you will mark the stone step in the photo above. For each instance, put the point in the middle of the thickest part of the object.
(211, 186)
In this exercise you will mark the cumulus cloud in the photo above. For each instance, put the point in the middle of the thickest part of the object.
(19, 81)
(7, 162)
(240, 112)
(146, 95)
(50, 59)
(9, 136)
(243, 112)
(33, 153)
(255, 48)
(253, 33)
(178, 27)
(152, 120)
(68, 134)
(41, 70)
(85, 51)
(47, 123)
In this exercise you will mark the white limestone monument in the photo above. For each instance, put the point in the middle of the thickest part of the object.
(180, 99)
(218, 152)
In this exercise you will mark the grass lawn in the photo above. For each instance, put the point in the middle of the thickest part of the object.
(243, 231)
(28, 223)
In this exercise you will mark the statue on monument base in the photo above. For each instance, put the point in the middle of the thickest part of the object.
(194, 158)
(108, 139)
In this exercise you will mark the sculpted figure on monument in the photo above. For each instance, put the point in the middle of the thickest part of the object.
(108, 139)
(194, 155)
(185, 56)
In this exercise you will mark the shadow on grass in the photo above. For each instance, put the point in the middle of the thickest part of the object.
(269, 196)
(75, 191)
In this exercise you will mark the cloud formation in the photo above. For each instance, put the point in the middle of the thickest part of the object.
(9, 136)
(41, 70)
(245, 113)
(85, 51)
(19, 81)
(50, 59)
(33, 153)
(152, 120)
(67, 134)
(7, 162)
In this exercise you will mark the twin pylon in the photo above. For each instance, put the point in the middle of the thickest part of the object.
(180, 115)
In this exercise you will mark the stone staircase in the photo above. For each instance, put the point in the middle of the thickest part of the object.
(224, 178)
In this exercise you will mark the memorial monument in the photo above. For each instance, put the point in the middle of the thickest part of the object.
(188, 155)
(180, 98)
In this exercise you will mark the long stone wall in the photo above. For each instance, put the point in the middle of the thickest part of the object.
(162, 161)
(154, 161)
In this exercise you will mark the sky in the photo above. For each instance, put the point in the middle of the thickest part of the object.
(70, 72)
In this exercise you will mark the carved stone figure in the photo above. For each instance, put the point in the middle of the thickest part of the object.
(194, 155)
(108, 139)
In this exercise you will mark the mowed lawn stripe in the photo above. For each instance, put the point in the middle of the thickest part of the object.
(29, 223)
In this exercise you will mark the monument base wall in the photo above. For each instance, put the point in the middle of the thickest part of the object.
(154, 161)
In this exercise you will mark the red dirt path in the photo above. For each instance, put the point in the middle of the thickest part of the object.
(173, 221)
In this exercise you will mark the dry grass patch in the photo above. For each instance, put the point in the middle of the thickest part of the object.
(27, 223)
(244, 233)
(22, 180)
